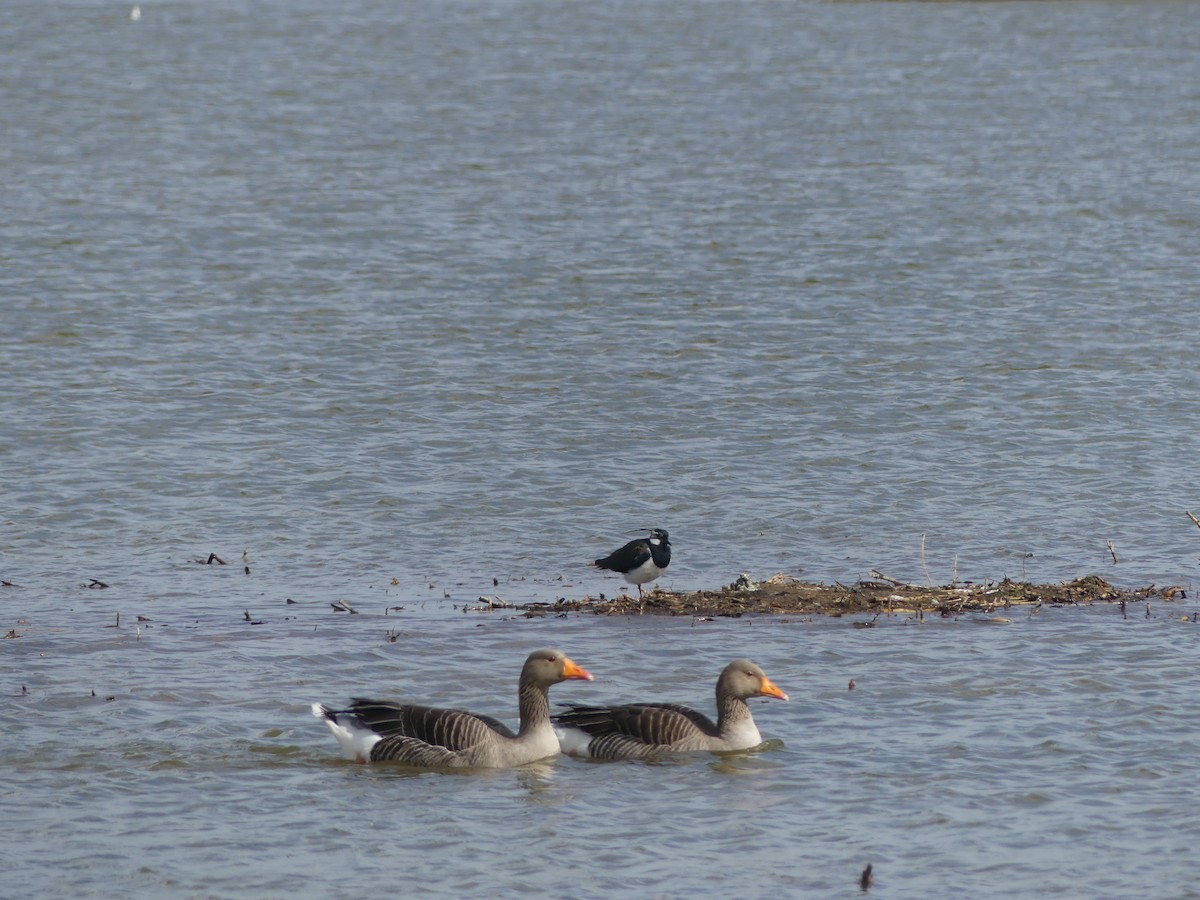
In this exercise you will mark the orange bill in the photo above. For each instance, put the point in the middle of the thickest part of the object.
(768, 689)
(571, 669)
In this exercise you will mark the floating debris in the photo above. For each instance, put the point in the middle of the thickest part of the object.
(866, 879)
(743, 583)
(343, 606)
(489, 603)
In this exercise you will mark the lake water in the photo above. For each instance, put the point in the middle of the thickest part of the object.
(400, 304)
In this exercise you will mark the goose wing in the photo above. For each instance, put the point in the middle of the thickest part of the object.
(657, 724)
(451, 729)
(415, 752)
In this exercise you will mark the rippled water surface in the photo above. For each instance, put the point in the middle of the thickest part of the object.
(1052, 755)
(399, 304)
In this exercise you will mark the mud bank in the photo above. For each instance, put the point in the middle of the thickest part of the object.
(784, 595)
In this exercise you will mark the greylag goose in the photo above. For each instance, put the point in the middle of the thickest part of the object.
(640, 560)
(376, 730)
(639, 730)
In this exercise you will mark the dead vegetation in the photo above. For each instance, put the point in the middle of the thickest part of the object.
(784, 595)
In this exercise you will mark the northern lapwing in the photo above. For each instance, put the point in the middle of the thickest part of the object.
(641, 560)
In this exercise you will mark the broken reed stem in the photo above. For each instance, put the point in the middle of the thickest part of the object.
(1112, 550)
(923, 566)
(1193, 518)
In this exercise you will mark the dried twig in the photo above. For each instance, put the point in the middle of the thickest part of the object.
(1112, 550)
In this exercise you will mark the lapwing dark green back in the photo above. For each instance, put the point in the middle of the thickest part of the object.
(632, 555)
(638, 552)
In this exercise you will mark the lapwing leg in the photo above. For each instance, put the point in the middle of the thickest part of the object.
(639, 587)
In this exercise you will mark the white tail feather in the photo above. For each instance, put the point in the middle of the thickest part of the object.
(574, 741)
(356, 741)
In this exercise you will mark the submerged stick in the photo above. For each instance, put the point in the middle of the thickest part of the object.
(1113, 551)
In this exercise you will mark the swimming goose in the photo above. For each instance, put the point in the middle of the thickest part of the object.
(427, 737)
(639, 730)
(641, 560)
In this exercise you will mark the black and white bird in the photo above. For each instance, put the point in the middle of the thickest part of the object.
(641, 560)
